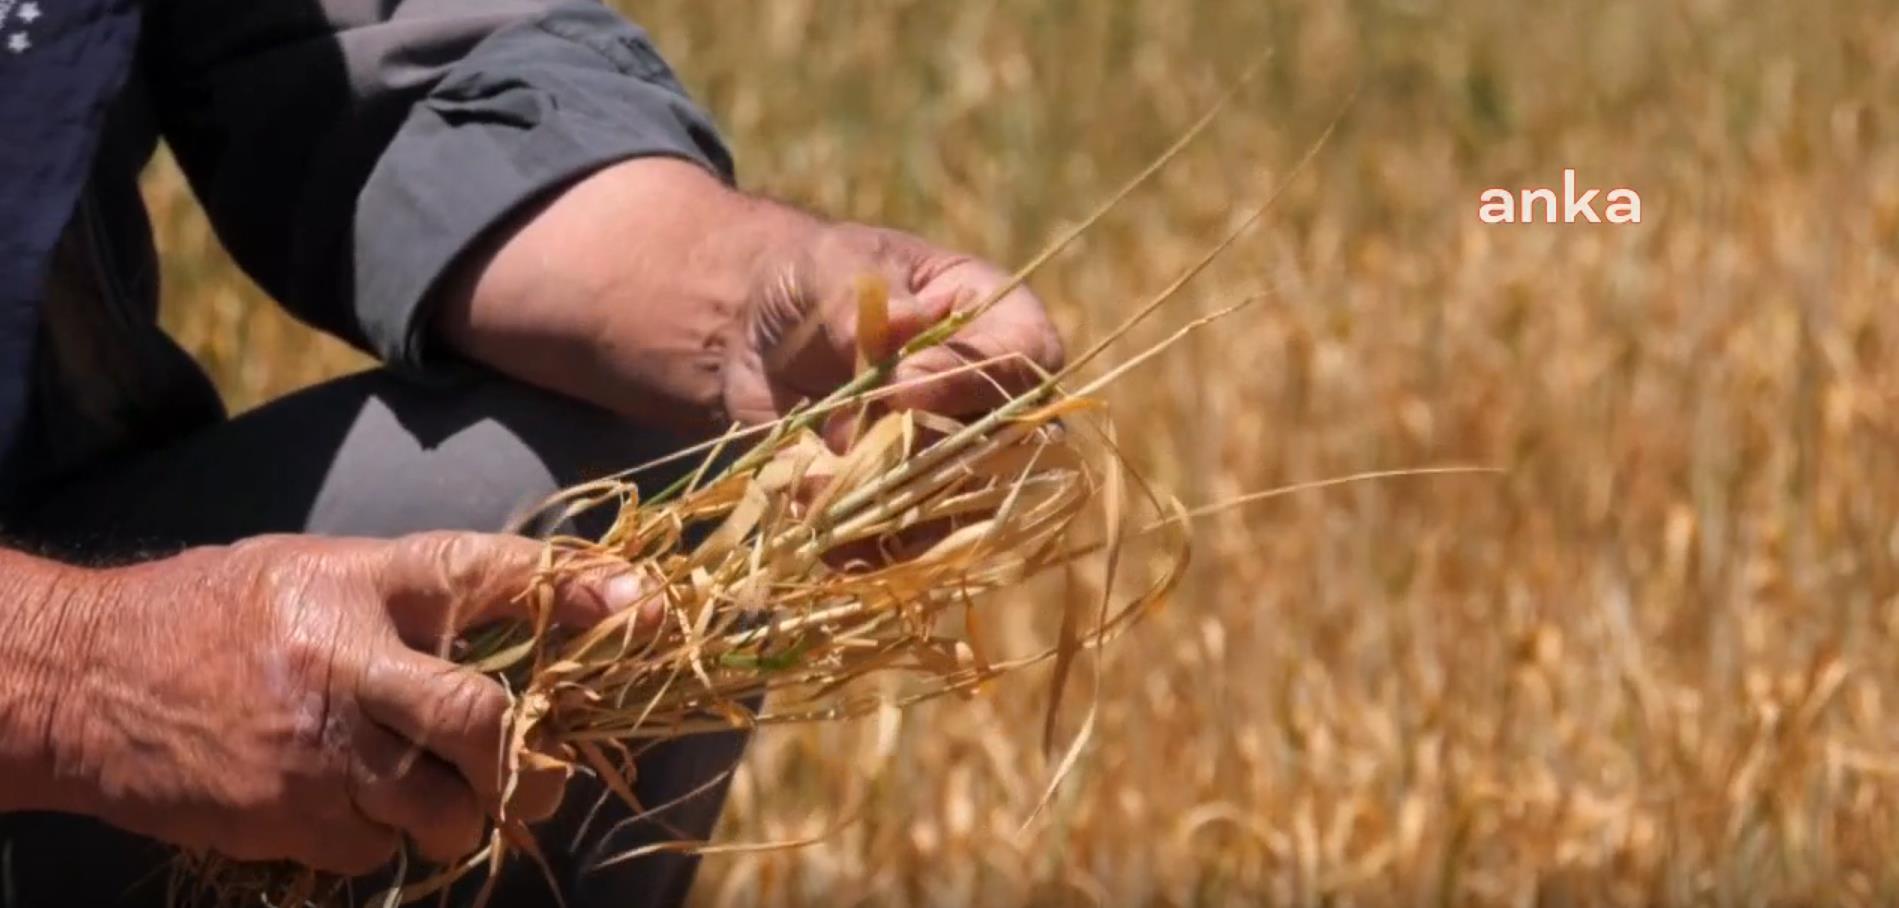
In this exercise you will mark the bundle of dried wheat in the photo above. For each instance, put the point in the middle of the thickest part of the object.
(771, 571)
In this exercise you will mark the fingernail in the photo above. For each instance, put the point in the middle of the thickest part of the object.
(623, 591)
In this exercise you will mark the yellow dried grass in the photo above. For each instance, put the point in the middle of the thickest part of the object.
(756, 563)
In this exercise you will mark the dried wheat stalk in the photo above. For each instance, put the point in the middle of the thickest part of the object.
(750, 558)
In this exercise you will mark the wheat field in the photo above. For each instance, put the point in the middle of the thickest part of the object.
(1648, 663)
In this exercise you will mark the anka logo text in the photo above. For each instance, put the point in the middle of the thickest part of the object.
(1528, 206)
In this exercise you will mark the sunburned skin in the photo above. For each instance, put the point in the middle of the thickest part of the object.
(271, 700)
(761, 317)
(309, 718)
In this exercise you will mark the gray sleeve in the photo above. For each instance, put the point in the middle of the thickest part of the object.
(348, 151)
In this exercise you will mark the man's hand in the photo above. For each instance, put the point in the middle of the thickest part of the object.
(274, 699)
(653, 289)
(797, 337)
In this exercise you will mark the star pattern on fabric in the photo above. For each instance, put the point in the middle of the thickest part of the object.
(19, 43)
(29, 13)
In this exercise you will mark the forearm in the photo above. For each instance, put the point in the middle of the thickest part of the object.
(638, 324)
(397, 133)
(44, 608)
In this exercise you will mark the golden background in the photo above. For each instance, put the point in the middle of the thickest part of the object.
(1648, 664)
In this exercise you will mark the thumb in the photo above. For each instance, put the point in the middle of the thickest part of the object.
(441, 583)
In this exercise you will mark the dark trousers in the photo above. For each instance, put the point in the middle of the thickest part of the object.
(368, 455)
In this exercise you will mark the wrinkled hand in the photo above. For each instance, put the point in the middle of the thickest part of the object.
(652, 289)
(797, 339)
(273, 699)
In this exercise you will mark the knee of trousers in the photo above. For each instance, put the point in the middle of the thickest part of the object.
(482, 455)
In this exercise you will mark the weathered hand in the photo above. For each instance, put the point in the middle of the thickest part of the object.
(273, 699)
(797, 337)
(653, 289)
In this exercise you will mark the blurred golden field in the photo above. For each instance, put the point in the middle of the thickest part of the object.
(1648, 664)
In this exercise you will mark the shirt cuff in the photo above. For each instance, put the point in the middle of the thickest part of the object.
(532, 108)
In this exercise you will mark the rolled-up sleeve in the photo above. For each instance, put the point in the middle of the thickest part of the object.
(349, 152)
(533, 107)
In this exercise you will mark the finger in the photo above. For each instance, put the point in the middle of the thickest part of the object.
(337, 839)
(843, 428)
(537, 788)
(347, 847)
(941, 379)
(911, 315)
(456, 715)
(445, 582)
(891, 548)
(461, 719)
(1005, 351)
(400, 785)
